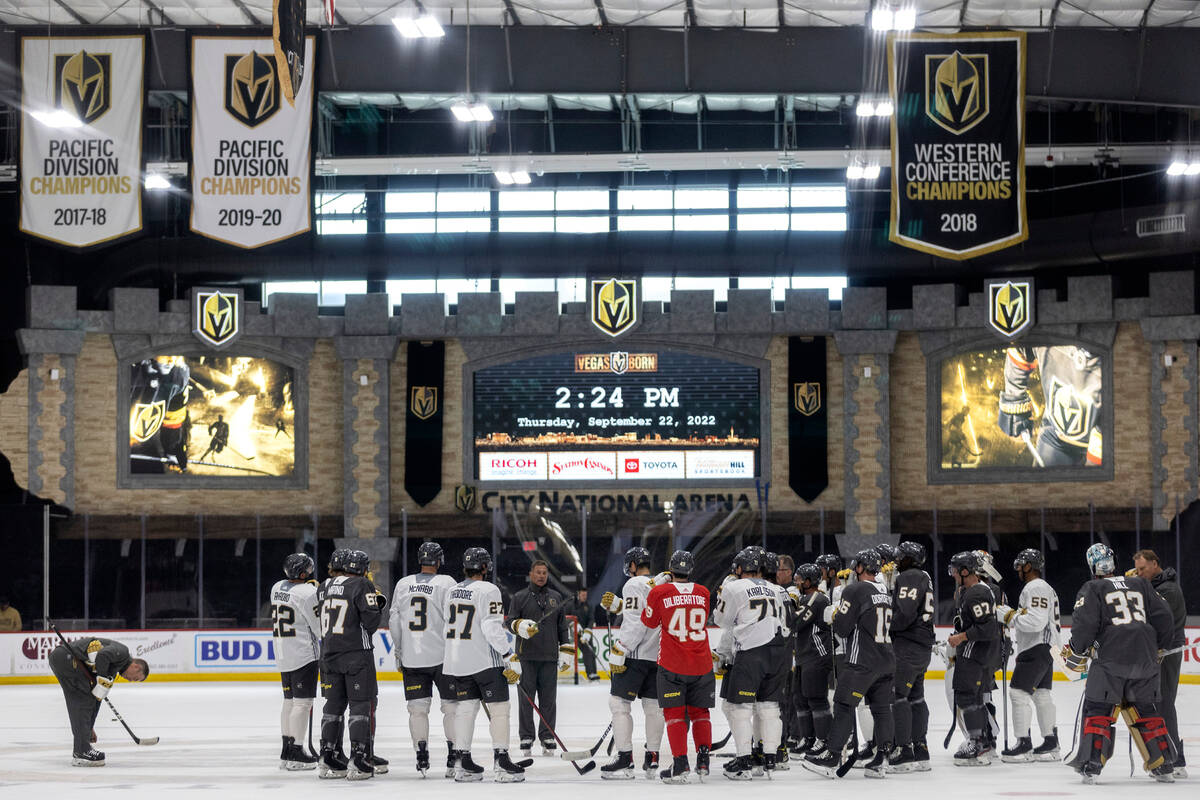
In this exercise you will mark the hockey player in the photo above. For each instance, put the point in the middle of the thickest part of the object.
(686, 685)
(1071, 398)
(814, 660)
(862, 617)
(86, 670)
(912, 639)
(637, 677)
(351, 612)
(417, 623)
(1036, 628)
(480, 663)
(748, 612)
(1127, 623)
(784, 646)
(976, 640)
(297, 637)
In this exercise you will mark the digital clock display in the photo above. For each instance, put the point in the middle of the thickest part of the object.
(653, 414)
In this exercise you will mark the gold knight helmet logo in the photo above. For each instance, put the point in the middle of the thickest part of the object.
(1009, 307)
(423, 401)
(807, 398)
(146, 419)
(251, 88)
(217, 317)
(956, 90)
(614, 305)
(464, 498)
(83, 84)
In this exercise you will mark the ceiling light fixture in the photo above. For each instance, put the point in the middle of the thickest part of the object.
(58, 118)
(423, 27)
(884, 19)
(1192, 169)
(156, 181)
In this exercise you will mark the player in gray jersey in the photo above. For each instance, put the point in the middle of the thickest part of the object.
(912, 639)
(814, 660)
(1036, 627)
(976, 640)
(417, 623)
(296, 634)
(86, 669)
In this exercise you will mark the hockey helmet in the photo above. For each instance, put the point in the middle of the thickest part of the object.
(887, 552)
(1030, 556)
(808, 573)
(298, 567)
(967, 559)
(869, 560)
(829, 562)
(770, 563)
(681, 564)
(912, 553)
(987, 566)
(477, 559)
(636, 556)
(748, 560)
(357, 562)
(337, 560)
(1101, 560)
(430, 554)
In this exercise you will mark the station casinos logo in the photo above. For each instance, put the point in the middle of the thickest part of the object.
(1008, 306)
(83, 84)
(807, 397)
(614, 305)
(251, 88)
(956, 90)
(216, 317)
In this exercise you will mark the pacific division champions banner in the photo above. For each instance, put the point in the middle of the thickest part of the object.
(251, 150)
(81, 137)
(958, 142)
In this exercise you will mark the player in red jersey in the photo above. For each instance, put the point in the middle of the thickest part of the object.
(686, 685)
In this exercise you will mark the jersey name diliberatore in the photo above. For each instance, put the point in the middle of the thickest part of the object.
(417, 620)
(475, 635)
(1038, 621)
(294, 624)
(748, 611)
(634, 596)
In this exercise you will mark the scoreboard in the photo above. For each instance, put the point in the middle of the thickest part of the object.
(654, 414)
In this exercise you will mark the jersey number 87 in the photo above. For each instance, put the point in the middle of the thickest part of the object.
(687, 623)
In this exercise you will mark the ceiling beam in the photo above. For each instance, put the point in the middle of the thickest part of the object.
(246, 12)
(691, 14)
(162, 15)
(512, 13)
(780, 12)
(600, 10)
(75, 15)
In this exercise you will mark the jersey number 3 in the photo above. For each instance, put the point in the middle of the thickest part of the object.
(687, 623)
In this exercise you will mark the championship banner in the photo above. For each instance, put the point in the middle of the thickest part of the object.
(423, 420)
(251, 151)
(81, 137)
(808, 420)
(958, 142)
(287, 32)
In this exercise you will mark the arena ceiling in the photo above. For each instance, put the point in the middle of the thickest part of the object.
(936, 14)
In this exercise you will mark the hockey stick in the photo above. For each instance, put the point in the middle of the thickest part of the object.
(1004, 686)
(580, 755)
(586, 768)
(137, 740)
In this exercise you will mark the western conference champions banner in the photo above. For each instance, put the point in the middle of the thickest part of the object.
(81, 177)
(251, 150)
(958, 142)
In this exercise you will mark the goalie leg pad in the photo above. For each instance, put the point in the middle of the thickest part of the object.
(1150, 736)
(741, 724)
(622, 717)
(1022, 712)
(654, 724)
(498, 726)
(1095, 741)
(418, 718)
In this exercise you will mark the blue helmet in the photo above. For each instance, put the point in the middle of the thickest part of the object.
(1101, 560)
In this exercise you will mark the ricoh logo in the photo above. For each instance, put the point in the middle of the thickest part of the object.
(513, 463)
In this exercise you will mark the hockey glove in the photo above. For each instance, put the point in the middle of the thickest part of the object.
(512, 668)
(1076, 662)
(843, 575)
(795, 595)
(1131, 573)
(611, 603)
(720, 666)
(1016, 412)
(100, 690)
(525, 628)
(660, 579)
(616, 658)
(567, 649)
(1008, 615)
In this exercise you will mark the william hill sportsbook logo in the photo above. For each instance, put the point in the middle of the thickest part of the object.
(251, 87)
(83, 84)
(614, 305)
(956, 90)
(1010, 306)
(217, 316)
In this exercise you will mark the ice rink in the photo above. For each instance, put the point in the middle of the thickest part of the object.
(224, 737)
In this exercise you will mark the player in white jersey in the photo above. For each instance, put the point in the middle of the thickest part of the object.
(638, 676)
(748, 611)
(480, 664)
(418, 626)
(1037, 632)
(296, 634)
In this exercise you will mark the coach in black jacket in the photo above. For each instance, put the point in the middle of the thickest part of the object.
(1166, 583)
(539, 652)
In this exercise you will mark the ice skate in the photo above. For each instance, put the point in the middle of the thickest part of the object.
(360, 767)
(678, 772)
(90, 758)
(620, 768)
(467, 771)
(505, 770)
(1021, 752)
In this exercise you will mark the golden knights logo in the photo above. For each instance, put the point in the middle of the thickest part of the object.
(618, 362)
(614, 305)
(251, 88)
(83, 84)
(1072, 411)
(807, 398)
(423, 401)
(1010, 306)
(217, 316)
(145, 419)
(464, 498)
(956, 90)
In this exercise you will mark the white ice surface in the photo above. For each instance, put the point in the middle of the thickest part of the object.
(222, 739)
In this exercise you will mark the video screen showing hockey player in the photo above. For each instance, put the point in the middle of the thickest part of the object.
(1026, 406)
(211, 415)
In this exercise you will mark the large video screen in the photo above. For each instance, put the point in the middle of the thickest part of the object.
(656, 414)
(1031, 407)
(211, 415)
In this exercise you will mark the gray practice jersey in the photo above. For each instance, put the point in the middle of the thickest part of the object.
(417, 620)
(1127, 620)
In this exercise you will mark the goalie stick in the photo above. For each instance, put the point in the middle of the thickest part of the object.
(147, 741)
(586, 768)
